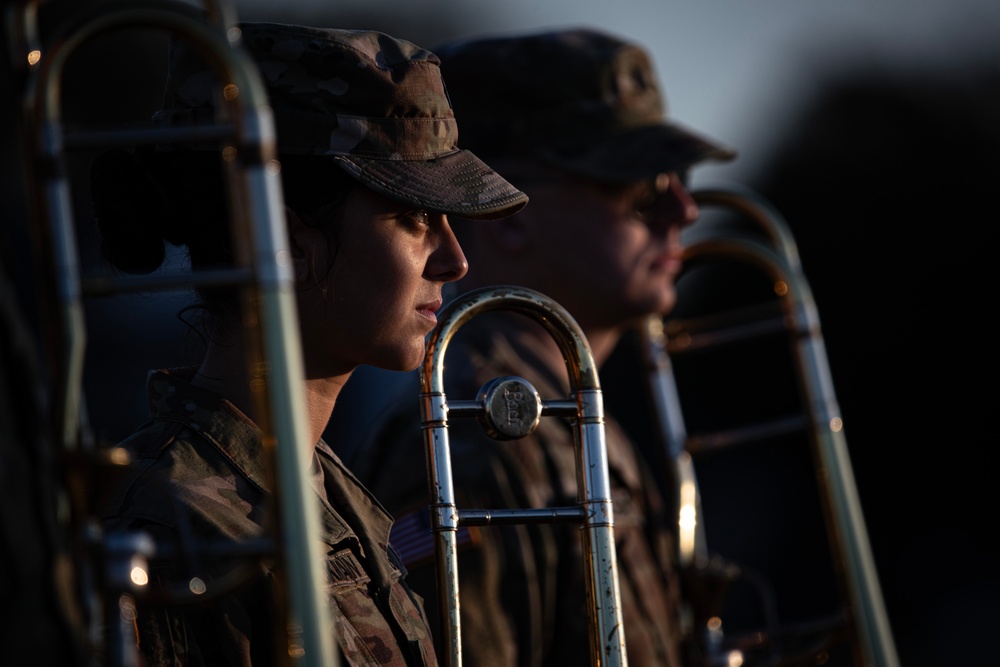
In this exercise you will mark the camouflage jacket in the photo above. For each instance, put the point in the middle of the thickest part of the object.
(522, 592)
(198, 482)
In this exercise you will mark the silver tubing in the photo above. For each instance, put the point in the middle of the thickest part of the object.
(778, 257)
(257, 214)
(594, 510)
(691, 540)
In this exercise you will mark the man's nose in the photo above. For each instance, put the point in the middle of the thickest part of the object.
(675, 206)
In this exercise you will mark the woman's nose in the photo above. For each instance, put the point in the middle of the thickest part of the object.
(447, 263)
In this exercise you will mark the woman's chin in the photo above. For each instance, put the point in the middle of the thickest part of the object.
(404, 360)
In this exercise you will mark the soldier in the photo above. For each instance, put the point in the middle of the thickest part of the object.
(371, 171)
(575, 118)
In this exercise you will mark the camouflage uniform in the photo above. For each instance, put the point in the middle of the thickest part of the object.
(522, 592)
(377, 108)
(586, 104)
(200, 476)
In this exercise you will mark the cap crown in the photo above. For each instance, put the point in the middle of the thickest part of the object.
(552, 87)
(581, 99)
(334, 92)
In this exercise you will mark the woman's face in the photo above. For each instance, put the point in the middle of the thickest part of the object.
(377, 303)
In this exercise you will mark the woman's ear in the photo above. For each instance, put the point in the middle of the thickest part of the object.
(305, 244)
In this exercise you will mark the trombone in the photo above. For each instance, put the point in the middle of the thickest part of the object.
(771, 249)
(509, 408)
(245, 129)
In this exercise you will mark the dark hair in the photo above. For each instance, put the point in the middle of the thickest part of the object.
(144, 199)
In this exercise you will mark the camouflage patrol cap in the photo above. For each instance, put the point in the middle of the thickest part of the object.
(373, 104)
(580, 98)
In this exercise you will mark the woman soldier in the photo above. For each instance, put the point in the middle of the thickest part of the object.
(370, 171)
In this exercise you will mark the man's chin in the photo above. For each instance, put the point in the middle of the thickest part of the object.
(661, 304)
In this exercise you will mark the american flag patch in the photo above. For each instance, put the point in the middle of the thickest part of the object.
(412, 537)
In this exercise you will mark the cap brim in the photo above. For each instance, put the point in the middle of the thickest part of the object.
(638, 153)
(457, 184)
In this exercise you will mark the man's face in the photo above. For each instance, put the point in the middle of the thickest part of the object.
(609, 252)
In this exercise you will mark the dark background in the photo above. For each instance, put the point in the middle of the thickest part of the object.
(886, 172)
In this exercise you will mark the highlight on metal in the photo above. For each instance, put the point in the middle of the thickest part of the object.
(112, 572)
(508, 408)
(768, 247)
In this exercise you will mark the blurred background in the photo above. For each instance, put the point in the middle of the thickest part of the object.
(874, 127)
